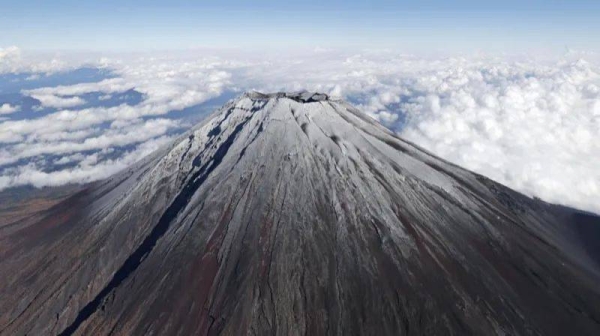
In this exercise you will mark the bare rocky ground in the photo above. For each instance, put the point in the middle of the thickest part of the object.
(295, 214)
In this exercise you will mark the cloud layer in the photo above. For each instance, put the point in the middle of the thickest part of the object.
(7, 108)
(534, 129)
(527, 123)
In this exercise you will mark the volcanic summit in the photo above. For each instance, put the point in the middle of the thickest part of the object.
(296, 214)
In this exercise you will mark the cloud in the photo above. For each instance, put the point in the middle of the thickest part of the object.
(88, 170)
(72, 142)
(49, 100)
(9, 55)
(12, 60)
(110, 85)
(532, 128)
(69, 159)
(8, 109)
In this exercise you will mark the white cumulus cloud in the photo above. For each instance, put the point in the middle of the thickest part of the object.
(8, 108)
(49, 100)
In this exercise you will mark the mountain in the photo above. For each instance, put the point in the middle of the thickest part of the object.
(296, 214)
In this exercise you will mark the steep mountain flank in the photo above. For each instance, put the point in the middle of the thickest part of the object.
(296, 214)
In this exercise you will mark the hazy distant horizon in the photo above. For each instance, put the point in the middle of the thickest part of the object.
(430, 26)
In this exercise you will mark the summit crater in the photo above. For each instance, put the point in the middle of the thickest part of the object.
(299, 96)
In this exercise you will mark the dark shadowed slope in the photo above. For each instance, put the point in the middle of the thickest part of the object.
(295, 214)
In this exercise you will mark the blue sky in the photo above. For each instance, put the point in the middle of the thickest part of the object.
(504, 26)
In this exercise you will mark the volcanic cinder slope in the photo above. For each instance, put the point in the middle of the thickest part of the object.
(296, 214)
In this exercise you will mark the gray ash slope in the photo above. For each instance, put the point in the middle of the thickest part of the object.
(295, 214)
